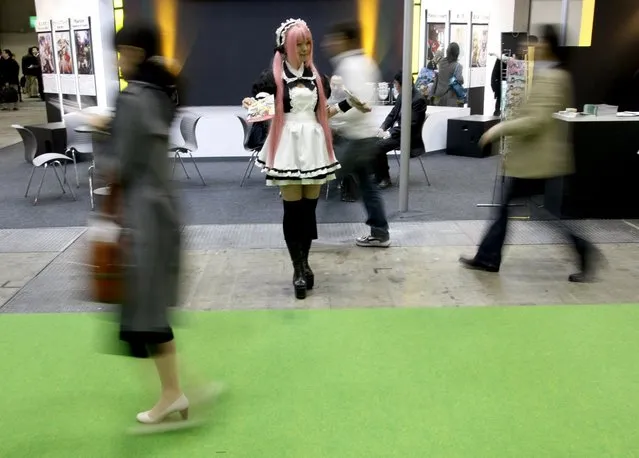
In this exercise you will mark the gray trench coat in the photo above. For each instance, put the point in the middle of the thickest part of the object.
(150, 217)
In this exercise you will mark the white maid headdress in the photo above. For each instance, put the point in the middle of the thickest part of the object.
(280, 33)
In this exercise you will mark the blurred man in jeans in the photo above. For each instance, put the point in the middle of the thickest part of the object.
(358, 128)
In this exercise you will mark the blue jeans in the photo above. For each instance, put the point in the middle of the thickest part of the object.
(356, 157)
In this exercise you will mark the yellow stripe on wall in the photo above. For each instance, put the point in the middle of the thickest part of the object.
(166, 12)
(587, 22)
(368, 11)
(417, 20)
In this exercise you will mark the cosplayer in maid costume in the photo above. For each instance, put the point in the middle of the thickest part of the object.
(298, 153)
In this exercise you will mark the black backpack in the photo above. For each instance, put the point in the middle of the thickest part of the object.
(8, 94)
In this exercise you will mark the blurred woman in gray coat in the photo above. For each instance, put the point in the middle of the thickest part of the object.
(150, 220)
(443, 94)
(541, 149)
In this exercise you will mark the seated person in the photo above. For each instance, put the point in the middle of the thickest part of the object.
(390, 132)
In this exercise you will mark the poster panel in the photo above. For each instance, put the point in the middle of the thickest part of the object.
(64, 56)
(83, 50)
(46, 55)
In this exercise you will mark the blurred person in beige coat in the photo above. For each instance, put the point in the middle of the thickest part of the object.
(540, 149)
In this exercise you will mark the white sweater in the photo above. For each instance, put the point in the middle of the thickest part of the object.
(357, 72)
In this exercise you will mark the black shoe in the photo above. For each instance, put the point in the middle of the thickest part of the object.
(309, 276)
(474, 264)
(589, 260)
(299, 281)
(385, 183)
(296, 251)
(581, 277)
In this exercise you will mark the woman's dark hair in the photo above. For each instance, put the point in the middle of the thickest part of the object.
(142, 36)
(452, 53)
(550, 36)
(9, 53)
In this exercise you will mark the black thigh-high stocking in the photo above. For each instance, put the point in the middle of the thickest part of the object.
(310, 234)
(294, 234)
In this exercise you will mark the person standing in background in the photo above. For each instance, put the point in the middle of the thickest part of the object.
(32, 72)
(358, 128)
(444, 95)
(541, 149)
(9, 80)
(495, 84)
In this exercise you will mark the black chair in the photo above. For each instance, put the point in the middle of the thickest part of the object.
(246, 128)
(187, 129)
(416, 153)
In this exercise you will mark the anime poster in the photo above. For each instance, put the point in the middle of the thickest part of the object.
(436, 40)
(84, 51)
(479, 46)
(45, 46)
(47, 56)
(63, 53)
(64, 56)
(83, 48)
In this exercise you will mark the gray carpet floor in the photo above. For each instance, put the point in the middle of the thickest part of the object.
(458, 185)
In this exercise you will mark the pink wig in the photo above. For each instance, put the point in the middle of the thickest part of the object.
(294, 35)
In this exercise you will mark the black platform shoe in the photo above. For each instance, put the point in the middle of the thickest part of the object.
(299, 280)
(308, 273)
(296, 251)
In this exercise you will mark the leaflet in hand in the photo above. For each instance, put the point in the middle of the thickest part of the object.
(355, 102)
(261, 108)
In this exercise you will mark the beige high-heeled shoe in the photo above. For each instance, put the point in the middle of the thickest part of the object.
(181, 405)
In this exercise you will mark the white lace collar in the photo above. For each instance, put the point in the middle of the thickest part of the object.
(292, 74)
(298, 72)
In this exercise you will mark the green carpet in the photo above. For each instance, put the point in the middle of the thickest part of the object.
(483, 382)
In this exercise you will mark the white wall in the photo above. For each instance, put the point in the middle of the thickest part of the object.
(502, 16)
(102, 31)
(18, 43)
(549, 12)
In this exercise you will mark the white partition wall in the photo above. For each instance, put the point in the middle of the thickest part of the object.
(220, 135)
(500, 16)
(102, 31)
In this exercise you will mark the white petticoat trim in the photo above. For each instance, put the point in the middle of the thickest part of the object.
(307, 182)
(302, 156)
(276, 177)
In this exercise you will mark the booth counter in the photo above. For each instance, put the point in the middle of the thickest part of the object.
(220, 135)
(606, 152)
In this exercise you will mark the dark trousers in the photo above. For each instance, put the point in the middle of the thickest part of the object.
(380, 164)
(355, 157)
(497, 105)
(490, 249)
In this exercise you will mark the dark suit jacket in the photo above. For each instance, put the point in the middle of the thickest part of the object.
(417, 121)
(495, 78)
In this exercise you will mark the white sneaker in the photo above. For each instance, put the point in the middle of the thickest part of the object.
(369, 241)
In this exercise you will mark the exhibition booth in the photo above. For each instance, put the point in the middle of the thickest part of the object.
(76, 78)
(79, 64)
(76, 37)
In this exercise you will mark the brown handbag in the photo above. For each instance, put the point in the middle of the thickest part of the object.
(106, 251)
